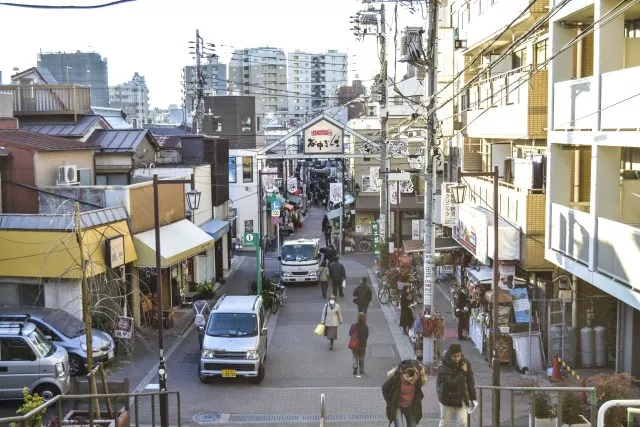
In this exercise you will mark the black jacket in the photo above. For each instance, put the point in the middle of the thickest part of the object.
(363, 295)
(391, 390)
(454, 386)
(337, 272)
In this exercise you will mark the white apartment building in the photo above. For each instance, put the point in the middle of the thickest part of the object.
(593, 171)
(133, 98)
(214, 75)
(313, 80)
(261, 72)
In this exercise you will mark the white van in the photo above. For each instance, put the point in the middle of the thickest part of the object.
(299, 261)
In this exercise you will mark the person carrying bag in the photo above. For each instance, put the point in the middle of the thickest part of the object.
(358, 336)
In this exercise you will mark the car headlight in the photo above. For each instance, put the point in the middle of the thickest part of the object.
(60, 369)
(311, 273)
(252, 354)
(286, 273)
(207, 354)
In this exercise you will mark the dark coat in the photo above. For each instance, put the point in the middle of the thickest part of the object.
(337, 272)
(454, 385)
(406, 314)
(391, 390)
(363, 333)
(363, 295)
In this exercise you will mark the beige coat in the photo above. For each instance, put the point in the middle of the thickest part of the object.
(334, 316)
(324, 274)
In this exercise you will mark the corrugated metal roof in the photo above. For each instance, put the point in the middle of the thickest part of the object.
(119, 140)
(47, 76)
(61, 222)
(118, 123)
(40, 142)
(166, 130)
(77, 129)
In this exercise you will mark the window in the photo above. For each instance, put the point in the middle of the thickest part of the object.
(232, 325)
(541, 52)
(397, 100)
(232, 169)
(246, 124)
(519, 59)
(248, 226)
(247, 169)
(15, 350)
(112, 179)
(84, 176)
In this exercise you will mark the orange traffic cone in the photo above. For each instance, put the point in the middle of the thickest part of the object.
(555, 373)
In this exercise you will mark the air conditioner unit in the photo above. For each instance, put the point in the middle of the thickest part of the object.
(67, 175)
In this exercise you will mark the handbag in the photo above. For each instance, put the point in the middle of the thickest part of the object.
(354, 341)
(344, 283)
(319, 331)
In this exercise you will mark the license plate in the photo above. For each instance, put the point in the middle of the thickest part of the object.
(228, 373)
(110, 355)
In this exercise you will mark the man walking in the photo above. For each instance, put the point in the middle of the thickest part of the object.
(338, 274)
(456, 388)
(363, 295)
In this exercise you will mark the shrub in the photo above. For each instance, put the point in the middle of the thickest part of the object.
(613, 387)
(544, 406)
(572, 407)
(205, 289)
(31, 402)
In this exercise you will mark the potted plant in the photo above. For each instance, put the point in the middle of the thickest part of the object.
(544, 411)
(573, 410)
(613, 387)
(31, 402)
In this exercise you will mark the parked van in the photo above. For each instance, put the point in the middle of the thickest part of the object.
(235, 340)
(28, 359)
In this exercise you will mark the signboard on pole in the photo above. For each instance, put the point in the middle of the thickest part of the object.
(417, 229)
(124, 327)
(323, 137)
(275, 220)
(448, 209)
(276, 205)
(375, 227)
(251, 240)
(275, 213)
(335, 192)
(394, 194)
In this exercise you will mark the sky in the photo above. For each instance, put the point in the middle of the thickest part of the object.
(151, 36)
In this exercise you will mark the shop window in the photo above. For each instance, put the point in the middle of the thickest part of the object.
(232, 169)
(247, 169)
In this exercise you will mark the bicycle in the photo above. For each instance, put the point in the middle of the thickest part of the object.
(364, 245)
(278, 297)
(384, 293)
(416, 289)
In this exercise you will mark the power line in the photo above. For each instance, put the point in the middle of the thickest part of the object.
(70, 7)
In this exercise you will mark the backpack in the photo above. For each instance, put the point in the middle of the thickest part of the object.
(199, 319)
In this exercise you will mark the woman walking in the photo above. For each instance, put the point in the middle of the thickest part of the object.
(360, 331)
(324, 277)
(403, 393)
(331, 319)
(406, 312)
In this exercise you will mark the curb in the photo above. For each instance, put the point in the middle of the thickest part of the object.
(403, 346)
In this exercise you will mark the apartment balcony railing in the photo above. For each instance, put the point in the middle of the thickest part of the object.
(620, 100)
(618, 251)
(515, 100)
(49, 99)
(575, 105)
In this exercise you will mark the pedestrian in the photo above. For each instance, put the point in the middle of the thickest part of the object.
(330, 253)
(331, 319)
(201, 313)
(363, 295)
(403, 393)
(327, 235)
(456, 387)
(324, 277)
(338, 276)
(406, 312)
(462, 313)
(360, 331)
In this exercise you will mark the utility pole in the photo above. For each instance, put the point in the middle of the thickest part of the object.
(199, 113)
(384, 119)
(430, 180)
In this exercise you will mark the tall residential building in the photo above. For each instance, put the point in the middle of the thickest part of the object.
(593, 172)
(349, 94)
(214, 75)
(261, 72)
(313, 81)
(133, 98)
(84, 68)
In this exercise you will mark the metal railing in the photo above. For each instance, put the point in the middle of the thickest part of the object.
(323, 411)
(613, 403)
(49, 98)
(22, 420)
(591, 391)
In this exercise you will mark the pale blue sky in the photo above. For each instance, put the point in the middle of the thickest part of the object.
(150, 36)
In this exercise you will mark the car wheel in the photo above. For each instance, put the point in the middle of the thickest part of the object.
(260, 377)
(47, 391)
(204, 379)
(76, 365)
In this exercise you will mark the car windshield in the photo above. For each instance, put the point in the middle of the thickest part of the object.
(65, 323)
(298, 252)
(232, 325)
(42, 345)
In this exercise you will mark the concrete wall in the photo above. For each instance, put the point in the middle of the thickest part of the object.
(244, 195)
(48, 162)
(66, 295)
(6, 105)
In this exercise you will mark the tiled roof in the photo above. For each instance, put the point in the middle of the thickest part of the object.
(47, 76)
(40, 142)
(119, 140)
(166, 130)
(77, 129)
(61, 222)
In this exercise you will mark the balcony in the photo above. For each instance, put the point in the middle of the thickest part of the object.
(574, 105)
(49, 99)
(620, 105)
(571, 232)
(619, 251)
(514, 101)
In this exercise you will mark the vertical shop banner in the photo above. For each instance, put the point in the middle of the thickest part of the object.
(448, 209)
(335, 192)
(292, 184)
(374, 176)
(521, 305)
(507, 275)
(375, 227)
(269, 181)
(394, 194)
(417, 229)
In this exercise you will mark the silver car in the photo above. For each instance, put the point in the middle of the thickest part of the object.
(235, 341)
(66, 331)
(28, 359)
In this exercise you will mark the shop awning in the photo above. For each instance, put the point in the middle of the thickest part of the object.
(334, 213)
(294, 199)
(215, 228)
(178, 241)
(442, 244)
(288, 206)
(349, 199)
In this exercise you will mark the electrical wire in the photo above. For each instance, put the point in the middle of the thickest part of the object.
(70, 7)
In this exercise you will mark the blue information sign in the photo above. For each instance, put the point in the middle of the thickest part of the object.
(276, 205)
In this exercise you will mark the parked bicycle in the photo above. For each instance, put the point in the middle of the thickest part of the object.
(384, 293)
(417, 288)
(278, 297)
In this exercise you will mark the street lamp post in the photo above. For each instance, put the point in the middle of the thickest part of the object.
(261, 248)
(193, 201)
(458, 197)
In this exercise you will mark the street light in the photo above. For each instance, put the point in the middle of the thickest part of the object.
(193, 201)
(260, 254)
(458, 197)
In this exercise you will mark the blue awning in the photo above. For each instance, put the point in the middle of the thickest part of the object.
(215, 228)
(334, 213)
